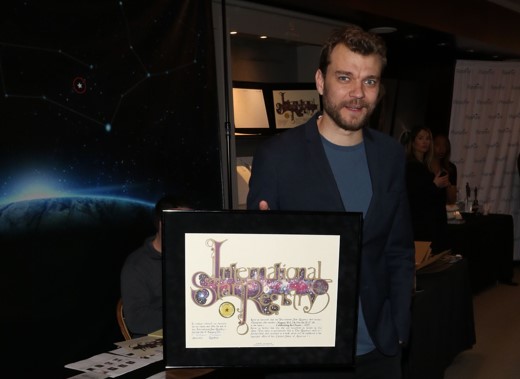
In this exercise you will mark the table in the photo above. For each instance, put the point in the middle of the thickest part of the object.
(182, 373)
(442, 321)
(442, 327)
(487, 243)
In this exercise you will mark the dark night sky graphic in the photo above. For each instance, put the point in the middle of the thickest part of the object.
(104, 98)
(104, 107)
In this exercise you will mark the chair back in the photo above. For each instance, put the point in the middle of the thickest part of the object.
(121, 321)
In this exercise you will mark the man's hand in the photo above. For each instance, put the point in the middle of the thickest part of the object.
(263, 205)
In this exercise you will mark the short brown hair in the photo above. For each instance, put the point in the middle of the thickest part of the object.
(355, 39)
(168, 202)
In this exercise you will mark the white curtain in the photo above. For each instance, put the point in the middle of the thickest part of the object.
(485, 135)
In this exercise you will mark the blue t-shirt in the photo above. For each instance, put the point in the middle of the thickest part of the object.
(350, 168)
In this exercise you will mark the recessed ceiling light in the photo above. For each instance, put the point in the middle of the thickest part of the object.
(383, 30)
(263, 37)
(233, 32)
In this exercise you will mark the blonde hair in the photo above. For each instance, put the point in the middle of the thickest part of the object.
(410, 153)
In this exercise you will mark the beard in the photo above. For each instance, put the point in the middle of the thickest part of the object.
(334, 111)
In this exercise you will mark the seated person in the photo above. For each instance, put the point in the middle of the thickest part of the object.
(141, 278)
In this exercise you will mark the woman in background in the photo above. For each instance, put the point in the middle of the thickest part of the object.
(426, 190)
(441, 161)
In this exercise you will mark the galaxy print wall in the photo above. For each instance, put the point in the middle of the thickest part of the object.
(105, 106)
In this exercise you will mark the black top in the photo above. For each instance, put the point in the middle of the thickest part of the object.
(452, 173)
(141, 290)
(427, 206)
(518, 164)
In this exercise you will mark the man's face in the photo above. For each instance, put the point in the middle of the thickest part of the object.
(351, 87)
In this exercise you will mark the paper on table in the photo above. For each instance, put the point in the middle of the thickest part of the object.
(159, 375)
(156, 334)
(130, 355)
(110, 365)
(88, 375)
(155, 356)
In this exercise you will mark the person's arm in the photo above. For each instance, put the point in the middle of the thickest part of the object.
(400, 258)
(453, 174)
(451, 194)
(451, 190)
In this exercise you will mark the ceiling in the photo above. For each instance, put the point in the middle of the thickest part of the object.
(433, 29)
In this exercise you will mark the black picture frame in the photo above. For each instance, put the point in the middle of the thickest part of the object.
(179, 226)
(292, 107)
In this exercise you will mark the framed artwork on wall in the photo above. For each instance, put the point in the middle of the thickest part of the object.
(294, 107)
(268, 108)
(249, 109)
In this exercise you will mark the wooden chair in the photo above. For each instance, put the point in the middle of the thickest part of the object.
(121, 321)
(170, 373)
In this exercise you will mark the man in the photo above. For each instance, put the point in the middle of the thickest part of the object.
(141, 277)
(335, 163)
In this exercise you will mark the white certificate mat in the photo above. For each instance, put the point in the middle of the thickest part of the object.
(281, 293)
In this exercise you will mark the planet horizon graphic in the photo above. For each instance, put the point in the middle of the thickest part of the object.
(52, 214)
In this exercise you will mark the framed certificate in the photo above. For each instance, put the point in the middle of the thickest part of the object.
(252, 288)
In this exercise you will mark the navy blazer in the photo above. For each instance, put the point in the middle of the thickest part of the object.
(291, 172)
